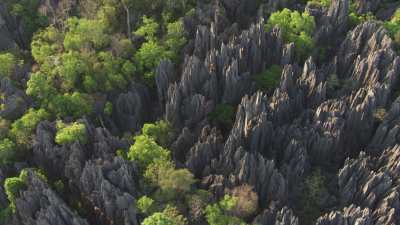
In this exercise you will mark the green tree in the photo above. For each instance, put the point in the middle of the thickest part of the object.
(149, 56)
(145, 205)
(218, 214)
(161, 132)
(7, 151)
(175, 38)
(393, 26)
(8, 62)
(13, 186)
(314, 191)
(270, 78)
(75, 104)
(69, 133)
(178, 181)
(146, 151)
(223, 113)
(85, 33)
(169, 216)
(149, 29)
(158, 219)
(296, 27)
(23, 128)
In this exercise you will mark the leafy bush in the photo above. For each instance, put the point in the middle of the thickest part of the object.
(314, 191)
(393, 26)
(145, 205)
(270, 78)
(197, 203)
(7, 151)
(158, 219)
(23, 128)
(69, 133)
(149, 29)
(108, 108)
(170, 216)
(161, 131)
(13, 186)
(8, 62)
(247, 201)
(218, 214)
(75, 105)
(223, 113)
(175, 39)
(153, 50)
(146, 151)
(178, 181)
(296, 27)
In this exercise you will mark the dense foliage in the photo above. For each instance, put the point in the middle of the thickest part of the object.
(270, 78)
(296, 27)
(69, 133)
(77, 70)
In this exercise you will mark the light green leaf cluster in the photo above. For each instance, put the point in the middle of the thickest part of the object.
(296, 27)
(69, 133)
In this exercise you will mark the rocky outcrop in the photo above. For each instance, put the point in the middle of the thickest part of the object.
(388, 132)
(349, 215)
(130, 108)
(334, 22)
(109, 187)
(39, 204)
(165, 75)
(275, 216)
(372, 184)
(204, 151)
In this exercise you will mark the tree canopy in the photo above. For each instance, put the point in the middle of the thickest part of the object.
(296, 27)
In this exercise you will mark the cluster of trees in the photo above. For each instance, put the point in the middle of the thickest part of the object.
(296, 27)
(69, 133)
(165, 187)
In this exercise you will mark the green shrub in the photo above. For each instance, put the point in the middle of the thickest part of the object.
(178, 181)
(223, 113)
(23, 128)
(296, 27)
(8, 62)
(7, 152)
(170, 216)
(218, 214)
(393, 26)
(314, 191)
(161, 132)
(13, 186)
(145, 205)
(247, 201)
(270, 78)
(146, 151)
(70, 133)
(75, 105)
(108, 108)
